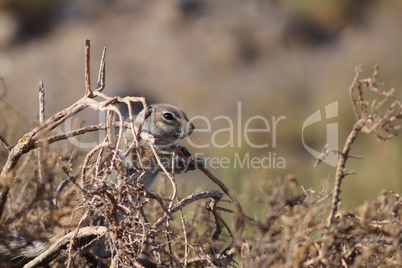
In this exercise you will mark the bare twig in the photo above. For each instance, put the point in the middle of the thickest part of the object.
(160, 201)
(88, 90)
(188, 200)
(41, 102)
(73, 133)
(41, 163)
(102, 72)
(63, 241)
(72, 240)
(5, 143)
(169, 175)
(218, 223)
(326, 151)
(86, 162)
(240, 215)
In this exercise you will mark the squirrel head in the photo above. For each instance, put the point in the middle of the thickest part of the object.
(164, 124)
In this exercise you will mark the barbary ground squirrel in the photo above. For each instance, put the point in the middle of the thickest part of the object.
(162, 127)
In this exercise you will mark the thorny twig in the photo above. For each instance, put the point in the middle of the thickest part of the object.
(240, 214)
(370, 119)
(326, 151)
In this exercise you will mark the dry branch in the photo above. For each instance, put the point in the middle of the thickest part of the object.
(88, 90)
(64, 241)
(240, 215)
(26, 144)
(370, 119)
(5, 143)
(186, 201)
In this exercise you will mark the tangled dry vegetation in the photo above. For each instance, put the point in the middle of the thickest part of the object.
(138, 227)
(299, 229)
(302, 230)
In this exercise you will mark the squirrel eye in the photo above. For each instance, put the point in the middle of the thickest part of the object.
(168, 116)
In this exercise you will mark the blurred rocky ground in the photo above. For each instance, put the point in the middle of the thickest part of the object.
(277, 58)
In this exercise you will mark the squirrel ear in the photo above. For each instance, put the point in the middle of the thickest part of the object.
(149, 111)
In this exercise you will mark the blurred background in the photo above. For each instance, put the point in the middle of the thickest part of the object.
(211, 57)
